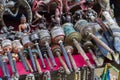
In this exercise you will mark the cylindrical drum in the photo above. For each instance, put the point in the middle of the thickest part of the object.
(44, 36)
(70, 33)
(84, 28)
(87, 29)
(57, 34)
(26, 41)
(7, 44)
(79, 24)
(34, 37)
(17, 46)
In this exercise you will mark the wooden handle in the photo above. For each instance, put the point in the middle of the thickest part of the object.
(94, 57)
(81, 51)
(63, 63)
(73, 61)
(37, 64)
(101, 43)
(31, 70)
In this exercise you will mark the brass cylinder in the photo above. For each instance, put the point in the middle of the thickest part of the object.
(44, 36)
(84, 28)
(7, 45)
(17, 46)
(26, 41)
(70, 33)
(57, 34)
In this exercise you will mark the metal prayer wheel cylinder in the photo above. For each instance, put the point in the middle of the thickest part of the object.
(70, 33)
(26, 41)
(84, 28)
(7, 45)
(5, 58)
(44, 37)
(80, 23)
(17, 46)
(57, 34)
(34, 37)
(45, 40)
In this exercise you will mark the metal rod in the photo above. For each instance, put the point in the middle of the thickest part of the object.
(37, 64)
(45, 55)
(94, 57)
(101, 43)
(63, 63)
(23, 60)
(28, 64)
(50, 54)
(2, 66)
(11, 61)
(81, 51)
(16, 73)
(6, 69)
(65, 55)
(32, 59)
(40, 55)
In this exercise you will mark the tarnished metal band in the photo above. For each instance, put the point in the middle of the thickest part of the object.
(17, 45)
(44, 36)
(68, 28)
(34, 36)
(6, 43)
(26, 41)
(79, 24)
(44, 33)
(57, 31)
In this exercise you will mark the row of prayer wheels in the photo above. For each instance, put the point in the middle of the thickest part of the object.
(60, 40)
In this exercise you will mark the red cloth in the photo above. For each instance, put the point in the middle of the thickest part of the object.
(78, 59)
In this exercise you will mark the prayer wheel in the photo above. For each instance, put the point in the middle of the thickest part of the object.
(7, 47)
(74, 37)
(15, 59)
(37, 64)
(28, 44)
(5, 60)
(1, 62)
(35, 38)
(58, 38)
(45, 40)
(18, 48)
(56, 50)
(87, 31)
(88, 46)
(70, 50)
